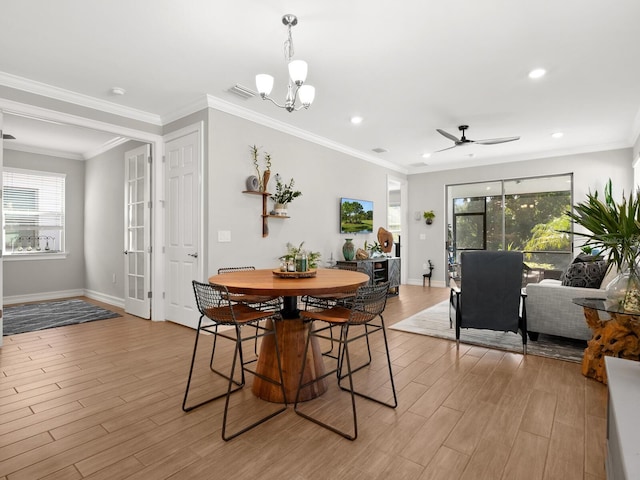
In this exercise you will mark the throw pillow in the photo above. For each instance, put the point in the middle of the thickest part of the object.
(585, 274)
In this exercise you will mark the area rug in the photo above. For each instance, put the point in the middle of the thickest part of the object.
(40, 316)
(434, 322)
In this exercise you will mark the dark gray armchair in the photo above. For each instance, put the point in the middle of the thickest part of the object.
(490, 294)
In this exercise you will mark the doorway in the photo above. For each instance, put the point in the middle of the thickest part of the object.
(52, 122)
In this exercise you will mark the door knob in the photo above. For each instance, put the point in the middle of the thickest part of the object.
(126, 252)
(194, 255)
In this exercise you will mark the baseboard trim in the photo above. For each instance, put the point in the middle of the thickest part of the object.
(101, 297)
(434, 283)
(39, 297)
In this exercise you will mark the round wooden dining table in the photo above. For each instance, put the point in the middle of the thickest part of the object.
(291, 332)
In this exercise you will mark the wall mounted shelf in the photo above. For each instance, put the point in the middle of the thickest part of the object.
(265, 215)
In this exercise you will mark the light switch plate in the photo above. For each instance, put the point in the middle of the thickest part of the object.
(224, 236)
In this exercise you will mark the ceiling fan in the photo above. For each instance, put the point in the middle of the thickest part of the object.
(6, 136)
(459, 142)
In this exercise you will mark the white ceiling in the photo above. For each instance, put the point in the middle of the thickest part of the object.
(406, 67)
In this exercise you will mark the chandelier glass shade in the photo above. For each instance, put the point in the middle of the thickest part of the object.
(296, 88)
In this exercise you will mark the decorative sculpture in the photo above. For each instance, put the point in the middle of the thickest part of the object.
(385, 239)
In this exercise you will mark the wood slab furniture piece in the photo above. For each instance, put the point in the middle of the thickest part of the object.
(291, 332)
(616, 336)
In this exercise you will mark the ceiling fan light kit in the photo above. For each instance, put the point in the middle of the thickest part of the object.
(296, 88)
(462, 141)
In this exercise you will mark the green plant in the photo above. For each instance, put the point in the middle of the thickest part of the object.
(429, 215)
(267, 162)
(374, 247)
(284, 192)
(292, 251)
(614, 228)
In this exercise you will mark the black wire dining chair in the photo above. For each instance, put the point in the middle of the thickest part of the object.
(216, 309)
(367, 306)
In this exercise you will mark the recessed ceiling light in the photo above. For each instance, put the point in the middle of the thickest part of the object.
(426, 155)
(118, 91)
(356, 120)
(557, 135)
(537, 73)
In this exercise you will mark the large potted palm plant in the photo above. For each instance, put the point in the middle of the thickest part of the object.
(614, 228)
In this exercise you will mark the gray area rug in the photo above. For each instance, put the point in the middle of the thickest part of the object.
(40, 316)
(434, 322)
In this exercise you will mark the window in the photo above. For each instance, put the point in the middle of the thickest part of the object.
(33, 211)
(526, 214)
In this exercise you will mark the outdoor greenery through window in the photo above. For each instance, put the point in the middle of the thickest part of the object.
(33, 211)
(526, 215)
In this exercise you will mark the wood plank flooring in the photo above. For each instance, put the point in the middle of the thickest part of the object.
(102, 401)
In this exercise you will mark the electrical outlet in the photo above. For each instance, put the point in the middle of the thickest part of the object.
(113, 279)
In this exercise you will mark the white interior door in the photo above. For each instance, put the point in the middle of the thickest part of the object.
(1, 246)
(137, 242)
(182, 193)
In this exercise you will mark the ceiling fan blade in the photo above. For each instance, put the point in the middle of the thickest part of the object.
(448, 148)
(494, 141)
(6, 136)
(448, 135)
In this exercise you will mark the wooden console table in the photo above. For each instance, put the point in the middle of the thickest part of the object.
(617, 336)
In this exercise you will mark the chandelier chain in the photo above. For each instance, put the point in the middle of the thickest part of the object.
(288, 46)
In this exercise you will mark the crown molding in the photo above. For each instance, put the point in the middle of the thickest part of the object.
(238, 111)
(39, 88)
(11, 145)
(197, 105)
(105, 147)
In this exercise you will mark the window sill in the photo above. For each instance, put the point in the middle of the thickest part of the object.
(35, 256)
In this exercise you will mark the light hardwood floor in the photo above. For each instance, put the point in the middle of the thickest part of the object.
(102, 401)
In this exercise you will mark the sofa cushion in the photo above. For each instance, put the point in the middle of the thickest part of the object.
(585, 274)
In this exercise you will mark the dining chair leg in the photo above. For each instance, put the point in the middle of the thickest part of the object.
(239, 385)
(393, 404)
(238, 354)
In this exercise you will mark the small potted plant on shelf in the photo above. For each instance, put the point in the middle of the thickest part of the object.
(284, 195)
(429, 216)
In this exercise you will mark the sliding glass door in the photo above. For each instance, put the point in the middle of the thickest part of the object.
(525, 214)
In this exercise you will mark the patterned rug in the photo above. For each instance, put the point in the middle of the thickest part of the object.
(40, 316)
(434, 322)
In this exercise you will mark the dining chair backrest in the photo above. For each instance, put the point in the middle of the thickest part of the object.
(235, 269)
(369, 302)
(213, 302)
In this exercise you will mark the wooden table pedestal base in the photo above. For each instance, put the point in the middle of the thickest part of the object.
(291, 340)
(617, 337)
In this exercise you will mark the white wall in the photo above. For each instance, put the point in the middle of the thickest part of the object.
(23, 278)
(427, 192)
(321, 174)
(104, 224)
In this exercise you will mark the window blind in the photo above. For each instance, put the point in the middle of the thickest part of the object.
(33, 204)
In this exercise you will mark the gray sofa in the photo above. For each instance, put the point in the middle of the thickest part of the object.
(551, 311)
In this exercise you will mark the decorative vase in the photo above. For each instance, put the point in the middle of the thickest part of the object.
(265, 179)
(280, 209)
(429, 221)
(348, 249)
(624, 291)
(253, 185)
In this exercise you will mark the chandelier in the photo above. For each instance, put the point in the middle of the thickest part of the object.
(297, 76)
